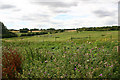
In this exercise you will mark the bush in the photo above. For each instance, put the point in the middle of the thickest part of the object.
(32, 34)
(23, 35)
(24, 30)
(11, 61)
(9, 35)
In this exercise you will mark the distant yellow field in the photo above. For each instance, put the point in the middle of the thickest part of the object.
(14, 31)
(35, 31)
(70, 30)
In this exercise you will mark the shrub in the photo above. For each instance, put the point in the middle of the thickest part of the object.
(12, 61)
(9, 35)
(23, 35)
(24, 30)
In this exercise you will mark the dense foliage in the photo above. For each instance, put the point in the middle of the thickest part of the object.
(24, 30)
(107, 28)
(5, 32)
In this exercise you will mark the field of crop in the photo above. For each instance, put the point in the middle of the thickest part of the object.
(88, 54)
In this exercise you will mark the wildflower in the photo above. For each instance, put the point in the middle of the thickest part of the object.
(87, 60)
(65, 52)
(105, 63)
(89, 42)
(95, 47)
(75, 68)
(100, 75)
(111, 66)
(99, 48)
(91, 67)
(92, 49)
(78, 70)
(92, 55)
(45, 72)
(45, 61)
(29, 73)
(86, 54)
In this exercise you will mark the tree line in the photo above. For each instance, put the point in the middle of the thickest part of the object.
(105, 28)
(52, 30)
(29, 32)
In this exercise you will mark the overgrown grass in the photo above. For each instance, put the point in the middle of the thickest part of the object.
(76, 58)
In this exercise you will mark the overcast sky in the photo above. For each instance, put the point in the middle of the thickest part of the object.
(59, 14)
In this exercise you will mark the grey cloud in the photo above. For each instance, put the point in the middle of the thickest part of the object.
(102, 13)
(57, 4)
(33, 17)
(28, 18)
(7, 6)
(60, 11)
(17, 10)
(45, 0)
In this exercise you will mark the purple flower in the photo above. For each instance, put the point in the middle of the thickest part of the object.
(75, 68)
(91, 67)
(78, 70)
(99, 48)
(100, 75)
(92, 49)
(45, 61)
(92, 55)
(65, 52)
(44, 72)
(111, 66)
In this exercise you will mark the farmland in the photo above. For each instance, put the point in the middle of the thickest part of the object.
(86, 54)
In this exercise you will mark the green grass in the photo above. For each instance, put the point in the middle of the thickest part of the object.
(66, 58)
(95, 35)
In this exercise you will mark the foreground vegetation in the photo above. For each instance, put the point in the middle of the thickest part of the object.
(89, 54)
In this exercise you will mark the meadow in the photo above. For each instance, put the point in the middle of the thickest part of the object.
(86, 54)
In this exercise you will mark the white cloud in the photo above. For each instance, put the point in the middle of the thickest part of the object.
(45, 14)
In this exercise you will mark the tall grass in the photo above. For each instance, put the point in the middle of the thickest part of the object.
(70, 59)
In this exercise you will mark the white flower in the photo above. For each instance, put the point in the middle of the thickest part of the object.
(87, 60)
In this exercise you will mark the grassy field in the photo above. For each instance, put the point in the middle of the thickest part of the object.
(94, 35)
(88, 54)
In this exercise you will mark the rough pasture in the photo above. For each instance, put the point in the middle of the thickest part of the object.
(45, 57)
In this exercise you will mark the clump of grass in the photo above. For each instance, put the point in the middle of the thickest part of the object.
(102, 35)
(12, 61)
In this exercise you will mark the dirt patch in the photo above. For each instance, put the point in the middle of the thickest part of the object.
(14, 31)
(8, 40)
(70, 30)
(35, 31)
